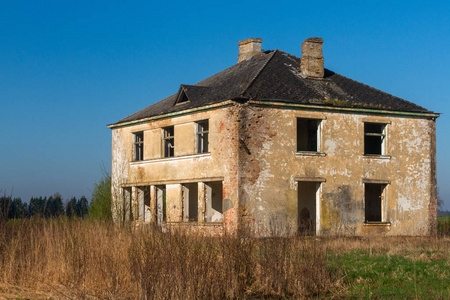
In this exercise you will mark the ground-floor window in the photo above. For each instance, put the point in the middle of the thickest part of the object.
(144, 210)
(199, 202)
(160, 204)
(214, 199)
(190, 204)
(202, 201)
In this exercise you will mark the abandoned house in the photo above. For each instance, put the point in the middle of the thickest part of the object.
(278, 144)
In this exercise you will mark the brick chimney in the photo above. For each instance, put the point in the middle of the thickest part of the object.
(249, 48)
(312, 59)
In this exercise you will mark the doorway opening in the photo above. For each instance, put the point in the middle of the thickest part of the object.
(307, 214)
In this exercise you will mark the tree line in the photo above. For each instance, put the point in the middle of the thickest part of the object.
(51, 207)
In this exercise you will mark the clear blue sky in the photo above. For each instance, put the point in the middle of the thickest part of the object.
(69, 68)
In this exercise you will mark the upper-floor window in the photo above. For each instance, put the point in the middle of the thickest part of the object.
(308, 135)
(138, 146)
(168, 141)
(203, 136)
(374, 139)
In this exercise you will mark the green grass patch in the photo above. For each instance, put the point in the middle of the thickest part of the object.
(386, 277)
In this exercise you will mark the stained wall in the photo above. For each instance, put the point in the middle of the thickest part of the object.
(186, 166)
(253, 153)
(272, 167)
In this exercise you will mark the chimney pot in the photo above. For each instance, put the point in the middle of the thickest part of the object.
(312, 62)
(249, 48)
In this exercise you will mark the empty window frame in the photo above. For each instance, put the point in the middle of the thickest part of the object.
(161, 205)
(373, 202)
(190, 197)
(214, 201)
(374, 139)
(203, 136)
(308, 135)
(169, 141)
(138, 142)
(182, 98)
(144, 210)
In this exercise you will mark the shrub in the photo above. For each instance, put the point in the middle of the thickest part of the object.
(100, 207)
(443, 226)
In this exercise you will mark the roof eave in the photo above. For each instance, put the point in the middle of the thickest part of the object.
(172, 114)
(285, 104)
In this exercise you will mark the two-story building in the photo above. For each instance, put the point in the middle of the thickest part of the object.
(278, 144)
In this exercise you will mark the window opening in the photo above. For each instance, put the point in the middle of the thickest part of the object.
(144, 203)
(214, 201)
(190, 195)
(183, 98)
(203, 136)
(138, 146)
(374, 138)
(127, 204)
(308, 135)
(373, 196)
(169, 142)
(160, 204)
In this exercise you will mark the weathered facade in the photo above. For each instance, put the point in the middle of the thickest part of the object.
(278, 145)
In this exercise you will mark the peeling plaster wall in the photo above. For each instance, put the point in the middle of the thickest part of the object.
(119, 173)
(271, 165)
(253, 153)
(187, 166)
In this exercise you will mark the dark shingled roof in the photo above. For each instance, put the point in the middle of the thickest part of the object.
(275, 76)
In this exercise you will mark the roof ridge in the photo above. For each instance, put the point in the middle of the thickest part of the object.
(259, 72)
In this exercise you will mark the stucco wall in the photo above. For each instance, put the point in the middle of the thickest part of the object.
(271, 171)
(220, 164)
(253, 153)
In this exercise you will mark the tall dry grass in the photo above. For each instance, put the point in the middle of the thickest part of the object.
(65, 258)
(88, 259)
(62, 258)
(193, 267)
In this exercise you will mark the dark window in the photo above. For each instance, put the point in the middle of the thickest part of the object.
(202, 137)
(308, 135)
(374, 138)
(190, 195)
(214, 201)
(183, 98)
(373, 195)
(139, 146)
(169, 142)
(161, 204)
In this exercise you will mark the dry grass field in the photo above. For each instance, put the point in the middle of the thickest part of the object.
(85, 259)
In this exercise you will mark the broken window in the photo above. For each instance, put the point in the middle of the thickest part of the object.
(190, 197)
(127, 204)
(202, 136)
(308, 135)
(374, 138)
(214, 200)
(169, 141)
(160, 204)
(144, 203)
(182, 98)
(373, 198)
(138, 146)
